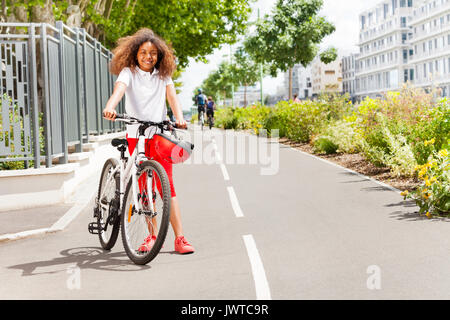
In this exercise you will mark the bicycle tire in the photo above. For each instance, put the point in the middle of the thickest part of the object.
(108, 243)
(142, 259)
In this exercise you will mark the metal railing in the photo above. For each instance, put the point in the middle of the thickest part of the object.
(54, 83)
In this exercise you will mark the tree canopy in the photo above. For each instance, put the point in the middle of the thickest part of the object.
(194, 28)
(291, 35)
(219, 82)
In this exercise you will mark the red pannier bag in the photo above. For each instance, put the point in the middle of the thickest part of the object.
(171, 149)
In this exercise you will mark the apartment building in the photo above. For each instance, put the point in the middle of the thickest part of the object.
(326, 78)
(305, 83)
(385, 49)
(295, 80)
(252, 94)
(431, 44)
(348, 74)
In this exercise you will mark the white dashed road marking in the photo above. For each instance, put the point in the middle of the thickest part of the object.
(259, 275)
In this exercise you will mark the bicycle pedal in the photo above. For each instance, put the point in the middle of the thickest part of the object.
(94, 228)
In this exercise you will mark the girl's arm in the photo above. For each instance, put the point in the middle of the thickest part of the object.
(119, 90)
(174, 104)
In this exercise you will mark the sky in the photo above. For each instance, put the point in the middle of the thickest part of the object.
(343, 13)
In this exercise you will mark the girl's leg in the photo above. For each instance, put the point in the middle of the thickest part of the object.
(175, 217)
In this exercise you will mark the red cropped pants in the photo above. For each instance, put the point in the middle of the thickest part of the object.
(166, 165)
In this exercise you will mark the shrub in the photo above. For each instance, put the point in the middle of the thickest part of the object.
(324, 144)
(343, 134)
(224, 118)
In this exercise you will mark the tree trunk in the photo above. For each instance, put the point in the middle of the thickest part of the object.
(245, 95)
(290, 83)
(43, 14)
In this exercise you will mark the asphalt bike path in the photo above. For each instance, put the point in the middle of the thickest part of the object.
(310, 231)
(44, 267)
(325, 233)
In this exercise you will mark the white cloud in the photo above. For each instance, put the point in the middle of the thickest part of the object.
(343, 13)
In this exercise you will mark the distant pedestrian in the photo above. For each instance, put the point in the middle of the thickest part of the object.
(296, 99)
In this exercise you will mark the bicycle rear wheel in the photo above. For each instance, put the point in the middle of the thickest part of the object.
(153, 188)
(108, 204)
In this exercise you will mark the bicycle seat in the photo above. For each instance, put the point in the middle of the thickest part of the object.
(119, 142)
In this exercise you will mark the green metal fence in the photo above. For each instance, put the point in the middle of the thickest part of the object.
(53, 79)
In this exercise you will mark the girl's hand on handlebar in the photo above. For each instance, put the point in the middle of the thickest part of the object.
(181, 124)
(109, 114)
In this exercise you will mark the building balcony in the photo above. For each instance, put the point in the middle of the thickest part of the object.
(436, 79)
(421, 35)
(383, 48)
(433, 55)
(420, 16)
(380, 67)
(396, 28)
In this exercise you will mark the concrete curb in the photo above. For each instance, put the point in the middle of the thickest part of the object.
(346, 169)
(60, 225)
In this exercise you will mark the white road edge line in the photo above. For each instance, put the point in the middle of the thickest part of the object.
(225, 174)
(235, 203)
(226, 177)
(259, 275)
(68, 217)
(346, 169)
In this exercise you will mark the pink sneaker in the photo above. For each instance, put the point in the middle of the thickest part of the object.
(147, 245)
(182, 246)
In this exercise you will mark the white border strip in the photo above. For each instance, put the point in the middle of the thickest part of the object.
(60, 225)
(346, 169)
(235, 203)
(22, 235)
(259, 275)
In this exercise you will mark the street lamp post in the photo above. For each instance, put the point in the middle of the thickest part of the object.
(232, 84)
(261, 77)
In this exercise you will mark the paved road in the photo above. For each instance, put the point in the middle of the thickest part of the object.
(310, 231)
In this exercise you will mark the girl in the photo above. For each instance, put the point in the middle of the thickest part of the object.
(145, 65)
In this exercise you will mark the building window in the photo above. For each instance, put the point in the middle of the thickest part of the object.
(403, 22)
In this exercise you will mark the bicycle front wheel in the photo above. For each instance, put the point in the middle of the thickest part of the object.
(144, 231)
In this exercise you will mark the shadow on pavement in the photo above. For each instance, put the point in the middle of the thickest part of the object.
(408, 215)
(83, 258)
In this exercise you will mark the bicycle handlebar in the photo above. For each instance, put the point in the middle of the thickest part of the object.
(169, 125)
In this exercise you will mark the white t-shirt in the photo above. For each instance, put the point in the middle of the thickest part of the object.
(145, 97)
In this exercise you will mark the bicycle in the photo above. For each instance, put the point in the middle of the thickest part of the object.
(202, 119)
(135, 194)
(210, 121)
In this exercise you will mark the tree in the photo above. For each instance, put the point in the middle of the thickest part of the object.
(220, 82)
(194, 27)
(247, 71)
(290, 36)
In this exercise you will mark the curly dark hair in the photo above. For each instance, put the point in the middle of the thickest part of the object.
(125, 54)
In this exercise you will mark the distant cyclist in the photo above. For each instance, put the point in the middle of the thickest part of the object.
(200, 101)
(210, 107)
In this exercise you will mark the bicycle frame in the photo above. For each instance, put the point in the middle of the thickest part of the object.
(130, 168)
